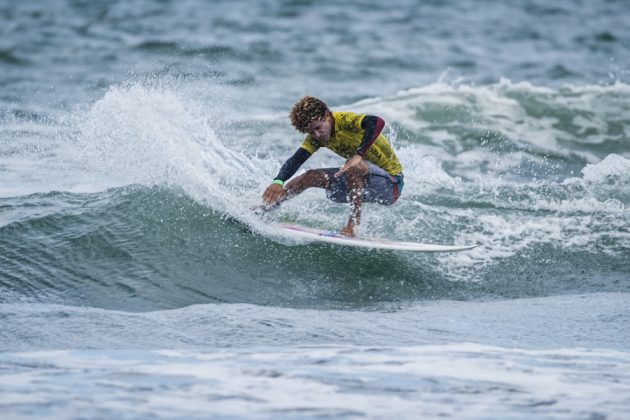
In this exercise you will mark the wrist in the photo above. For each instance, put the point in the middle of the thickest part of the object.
(278, 181)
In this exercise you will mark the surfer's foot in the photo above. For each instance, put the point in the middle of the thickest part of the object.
(348, 230)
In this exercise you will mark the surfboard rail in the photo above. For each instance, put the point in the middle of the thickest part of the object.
(332, 237)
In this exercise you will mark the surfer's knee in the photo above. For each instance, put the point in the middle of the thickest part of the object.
(361, 169)
(315, 178)
(356, 175)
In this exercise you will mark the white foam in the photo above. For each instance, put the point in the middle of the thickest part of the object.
(495, 108)
(155, 135)
(613, 167)
(464, 380)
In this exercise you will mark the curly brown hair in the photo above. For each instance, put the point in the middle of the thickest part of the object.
(305, 110)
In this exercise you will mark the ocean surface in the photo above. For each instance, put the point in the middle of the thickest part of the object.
(135, 282)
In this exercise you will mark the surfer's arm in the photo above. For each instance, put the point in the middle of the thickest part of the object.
(292, 164)
(372, 126)
(275, 192)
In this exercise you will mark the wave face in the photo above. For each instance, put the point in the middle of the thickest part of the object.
(140, 202)
(135, 281)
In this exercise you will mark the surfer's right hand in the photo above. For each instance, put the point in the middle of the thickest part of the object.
(273, 194)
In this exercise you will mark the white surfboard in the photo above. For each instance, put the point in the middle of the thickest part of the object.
(374, 243)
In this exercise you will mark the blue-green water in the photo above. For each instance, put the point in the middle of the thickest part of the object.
(135, 282)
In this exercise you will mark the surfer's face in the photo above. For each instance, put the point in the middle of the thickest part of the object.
(321, 129)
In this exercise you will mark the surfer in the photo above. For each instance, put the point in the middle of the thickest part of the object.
(371, 173)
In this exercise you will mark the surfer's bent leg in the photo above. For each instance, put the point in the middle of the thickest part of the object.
(356, 178)
(318, 178)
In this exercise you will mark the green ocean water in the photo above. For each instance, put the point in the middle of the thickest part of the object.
(135, 138)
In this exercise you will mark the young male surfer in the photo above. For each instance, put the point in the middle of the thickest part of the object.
(371, 174)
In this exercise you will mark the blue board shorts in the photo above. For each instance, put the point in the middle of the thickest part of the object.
(380, 187)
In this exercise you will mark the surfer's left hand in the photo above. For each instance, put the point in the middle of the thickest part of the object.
(353, 161)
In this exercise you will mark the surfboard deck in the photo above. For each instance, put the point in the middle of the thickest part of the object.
(373, 243)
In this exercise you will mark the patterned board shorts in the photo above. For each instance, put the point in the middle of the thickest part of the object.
(381, 187)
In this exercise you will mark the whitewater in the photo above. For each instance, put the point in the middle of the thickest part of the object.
(136, 282)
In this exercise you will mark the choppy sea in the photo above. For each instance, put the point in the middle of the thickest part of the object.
(135, 282)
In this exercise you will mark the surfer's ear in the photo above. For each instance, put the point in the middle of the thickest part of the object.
(329, 114)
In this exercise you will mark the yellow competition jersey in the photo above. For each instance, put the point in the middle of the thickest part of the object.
(347, 137)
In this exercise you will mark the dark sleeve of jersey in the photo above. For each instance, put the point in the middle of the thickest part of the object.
(292, 164)
(373, 126)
